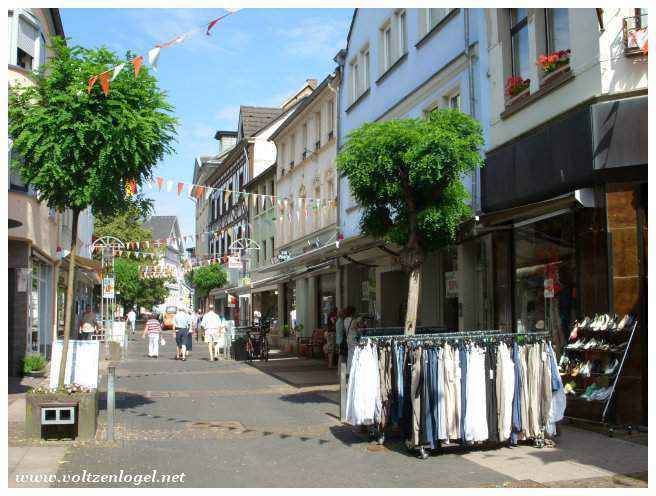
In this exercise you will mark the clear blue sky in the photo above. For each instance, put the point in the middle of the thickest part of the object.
(253, 57)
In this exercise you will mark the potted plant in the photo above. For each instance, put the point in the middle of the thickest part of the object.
(554, 64)
(84, 399)
(34, 365)
(516, 89)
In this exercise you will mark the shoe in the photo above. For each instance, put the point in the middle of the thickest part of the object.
(589, 391)
(590, 344)
(594, 325)
(612, 366)
(585, 323)
(619, 348)
(570, 388)
(622, 324)
(605, 320)
(613, 323)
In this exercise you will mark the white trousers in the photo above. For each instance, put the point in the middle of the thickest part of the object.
(153, 344)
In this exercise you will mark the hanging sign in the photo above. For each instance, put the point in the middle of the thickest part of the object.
(108, 287)
(232, 301)
(234, 262)
(549, 290)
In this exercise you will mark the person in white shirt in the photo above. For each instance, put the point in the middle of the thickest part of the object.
(212, 324)
(132, 320)
(181, 323)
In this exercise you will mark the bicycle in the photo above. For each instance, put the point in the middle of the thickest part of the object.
(257, 348)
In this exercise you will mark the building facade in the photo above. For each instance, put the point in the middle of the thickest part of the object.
(305, 226)
(564, 190)
(39, 237)
(171, 257)
(404, 63)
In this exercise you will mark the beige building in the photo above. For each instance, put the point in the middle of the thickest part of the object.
(305, 225)
(39, 237)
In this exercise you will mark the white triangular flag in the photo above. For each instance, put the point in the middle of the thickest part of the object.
(117, 71)
(153, 55)
(169, 186)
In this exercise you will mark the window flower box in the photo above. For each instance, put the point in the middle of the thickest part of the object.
(516, 89)
(553, 65)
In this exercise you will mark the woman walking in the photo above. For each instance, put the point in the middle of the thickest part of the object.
(152, 329)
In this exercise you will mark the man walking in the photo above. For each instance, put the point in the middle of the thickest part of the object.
(199, 318)
(132, 320)
(211, 324)
(181, 323)
(152, 329)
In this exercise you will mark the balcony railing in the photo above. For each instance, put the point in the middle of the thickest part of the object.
(635, 34)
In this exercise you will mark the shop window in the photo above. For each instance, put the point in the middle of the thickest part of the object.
(450, 266)
(327, 299)
(546, 276)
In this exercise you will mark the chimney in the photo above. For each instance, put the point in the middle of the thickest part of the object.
(227, 139)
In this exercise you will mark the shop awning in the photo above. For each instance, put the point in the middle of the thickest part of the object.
(89, 267)
(582, 198)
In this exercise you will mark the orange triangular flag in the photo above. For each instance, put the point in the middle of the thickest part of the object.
(104, 82)
(137, 64)
(160, 181)
(199, 192)
(92, 81)
(180, 188)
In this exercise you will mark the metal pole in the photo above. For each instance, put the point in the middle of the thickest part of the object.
(111, 376)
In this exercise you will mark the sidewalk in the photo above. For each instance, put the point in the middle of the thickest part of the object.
(27, 458)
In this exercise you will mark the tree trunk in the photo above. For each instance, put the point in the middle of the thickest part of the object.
(69, 300)
(414, 290)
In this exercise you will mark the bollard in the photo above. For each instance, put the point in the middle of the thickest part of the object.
(111, 407)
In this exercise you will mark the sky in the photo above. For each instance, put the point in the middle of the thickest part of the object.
(253, 57)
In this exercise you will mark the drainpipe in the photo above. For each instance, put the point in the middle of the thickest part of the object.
(472, 95)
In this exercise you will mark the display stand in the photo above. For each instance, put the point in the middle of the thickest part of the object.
(605, 351)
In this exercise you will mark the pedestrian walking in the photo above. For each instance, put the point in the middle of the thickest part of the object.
(181, 324)
(199, 318)
(132, 320)
(152, 329)
(87, 323)
(211, 324)
(192, 328)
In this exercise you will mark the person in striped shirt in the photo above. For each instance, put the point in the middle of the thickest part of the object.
(153, 328)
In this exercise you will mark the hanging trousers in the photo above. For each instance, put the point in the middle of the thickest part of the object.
(406, 417)
(452, 391)
(426, 423)
(415, 395)
(441, 403)
(433, 393)
(491, 392)
(517, 398)
(463, 351)
(545, 384)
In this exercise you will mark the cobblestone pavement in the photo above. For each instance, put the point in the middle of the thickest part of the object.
(229, 424)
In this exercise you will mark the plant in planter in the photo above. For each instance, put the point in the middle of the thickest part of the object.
(34, 365)
(285, 331)
(554, 61)
(516, 87)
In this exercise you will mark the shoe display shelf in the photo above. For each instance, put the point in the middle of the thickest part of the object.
(591, 364)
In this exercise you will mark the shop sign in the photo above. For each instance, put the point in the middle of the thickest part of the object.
(108, 287)
(232, 301)
(23, 277)
(451, 284)
(365, 290)
(234, 262)
(549, 291)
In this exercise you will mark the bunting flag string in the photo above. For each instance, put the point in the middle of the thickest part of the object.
(198, 191)
(153, 55)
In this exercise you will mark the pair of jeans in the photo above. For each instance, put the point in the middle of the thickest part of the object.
(399, 356)
(431, 392)
(517, 398)
(181, 337)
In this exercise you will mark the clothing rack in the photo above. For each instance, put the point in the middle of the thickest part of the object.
(460, 335)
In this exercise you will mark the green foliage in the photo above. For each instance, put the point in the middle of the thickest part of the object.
(133, 289)
(406, 175)
(79, 149)
(205, 279)
(126, 224)
(33, 362)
